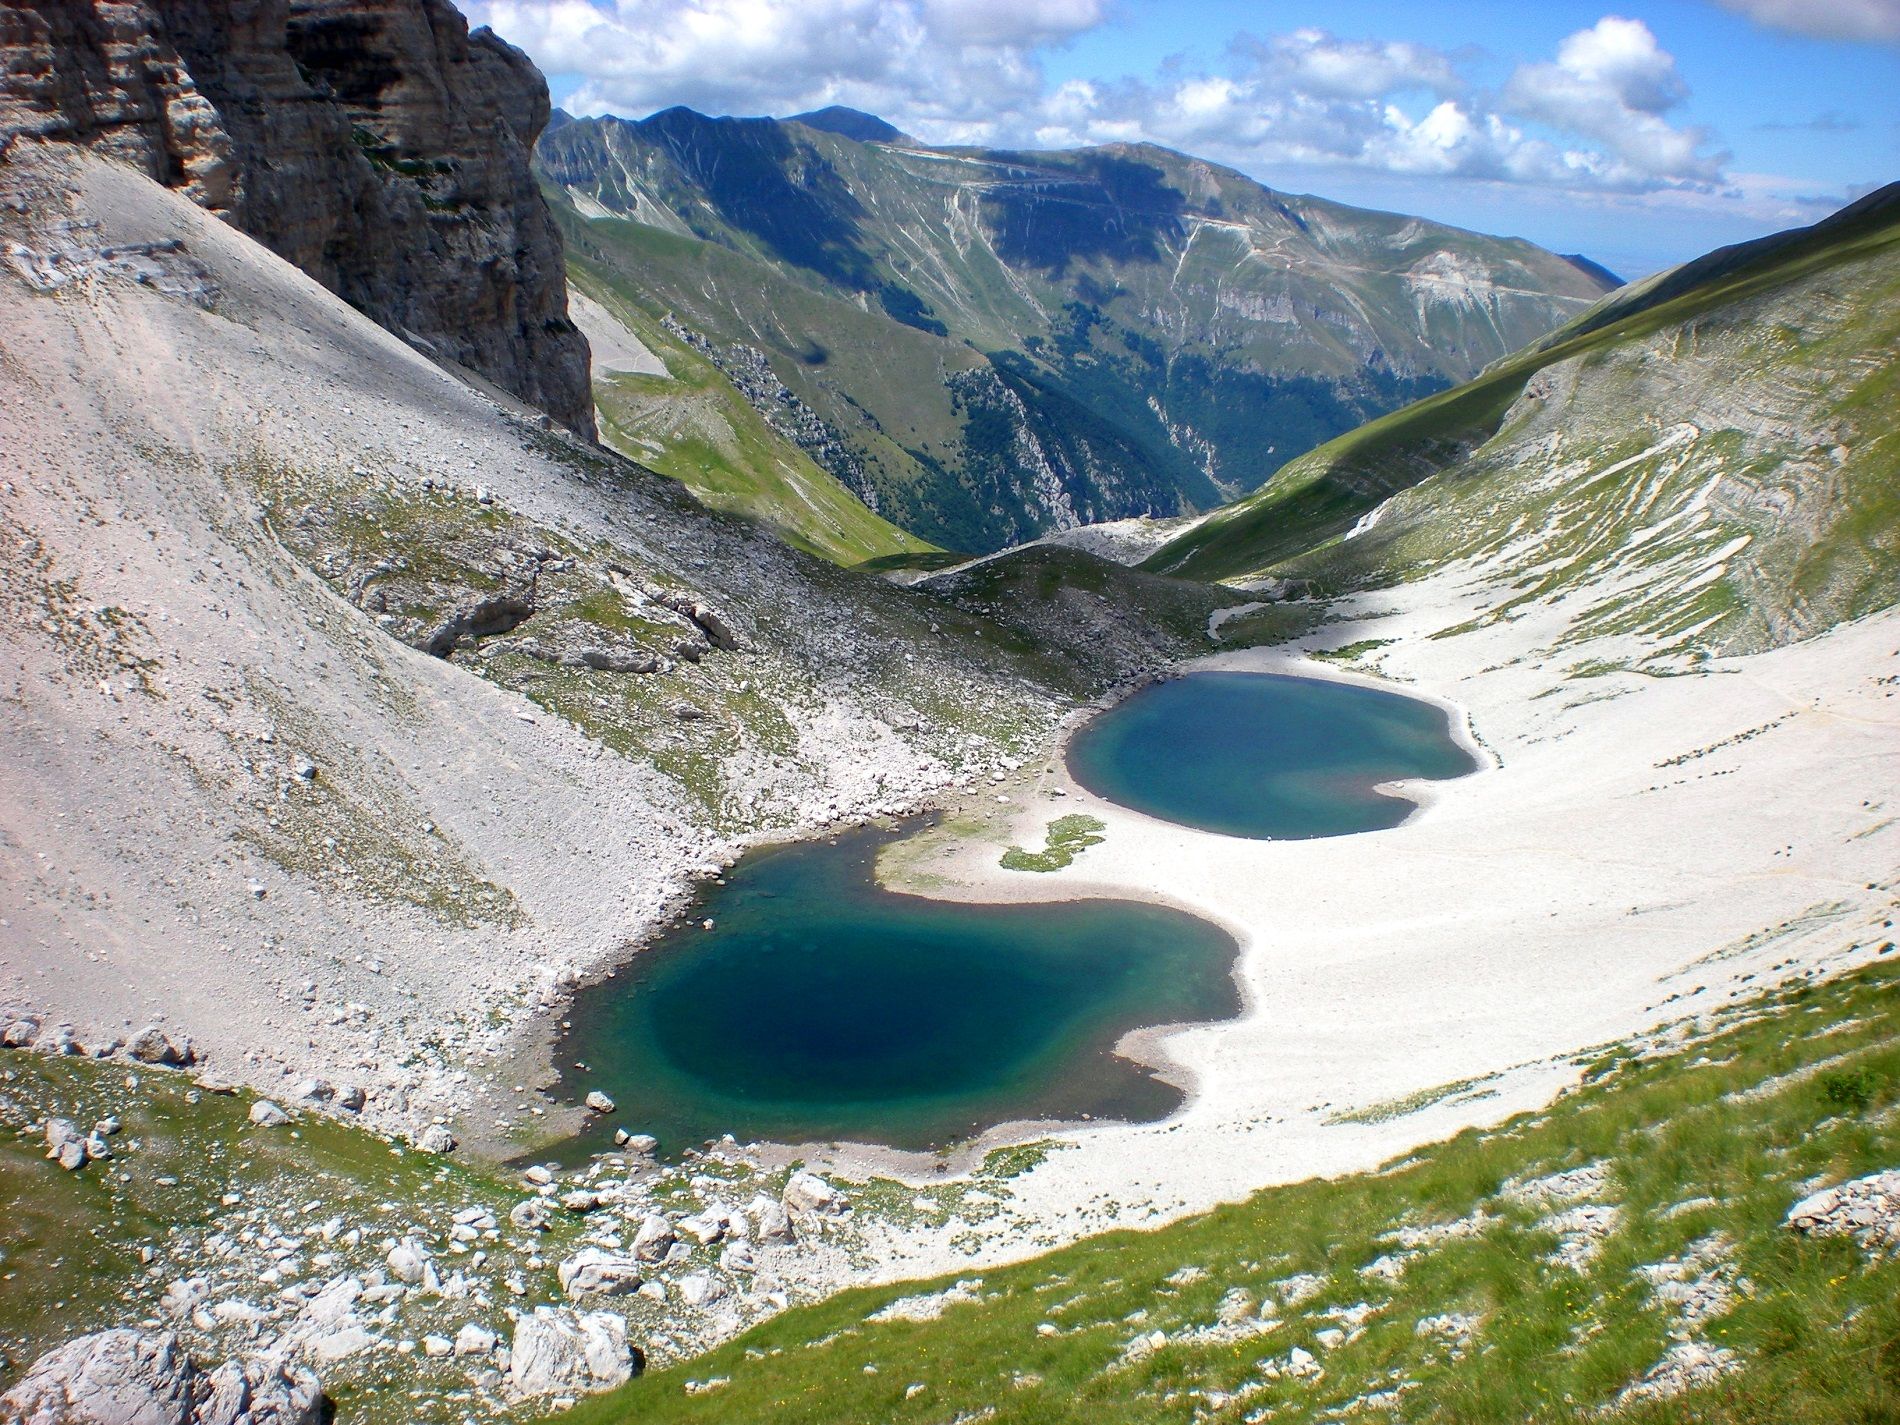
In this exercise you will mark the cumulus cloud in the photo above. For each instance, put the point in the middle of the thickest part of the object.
(1876, 20)
(1612, 84)
(1598, 116)
(939, 59)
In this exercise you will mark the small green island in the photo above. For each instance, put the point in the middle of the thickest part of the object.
(1068, 837)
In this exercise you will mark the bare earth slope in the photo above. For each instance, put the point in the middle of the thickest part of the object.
(348, 714)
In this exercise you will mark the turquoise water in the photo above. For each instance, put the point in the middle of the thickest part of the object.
(1263, 755)
(821, 1007)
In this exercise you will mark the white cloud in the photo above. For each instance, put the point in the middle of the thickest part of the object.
(1595, 118)
(1612, 84)
(1876, 20)
(941, 59)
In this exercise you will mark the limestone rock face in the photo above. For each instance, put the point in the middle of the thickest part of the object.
(123, 1377)
(377, 144)
(556, 1351)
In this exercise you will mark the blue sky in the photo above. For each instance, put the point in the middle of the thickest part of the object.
(1639, 133)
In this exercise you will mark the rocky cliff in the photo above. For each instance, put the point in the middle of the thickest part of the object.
(377, 144)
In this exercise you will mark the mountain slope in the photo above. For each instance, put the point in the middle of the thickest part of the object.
(1711, 453)
(679, 412)
(1057, 338)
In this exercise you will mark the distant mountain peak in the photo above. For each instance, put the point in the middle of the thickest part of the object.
(850, 123)
(1593, 269)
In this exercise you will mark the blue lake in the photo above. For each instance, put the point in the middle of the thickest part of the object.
(1264, 755)
(821, 1007)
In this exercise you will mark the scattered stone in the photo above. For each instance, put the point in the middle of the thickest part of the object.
(538, 1175)
(1866, 1209)
(581, 1200)
(437, 1346)
(930, 1305)
(1685, 1366)
(557, 1351)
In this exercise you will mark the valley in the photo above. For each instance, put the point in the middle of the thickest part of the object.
(1067, 787)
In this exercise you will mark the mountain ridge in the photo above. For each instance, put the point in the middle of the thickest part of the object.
(1060, 338)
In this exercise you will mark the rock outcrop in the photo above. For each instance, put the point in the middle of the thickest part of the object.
(124, 1377)
(560, 1352)
(377, 144)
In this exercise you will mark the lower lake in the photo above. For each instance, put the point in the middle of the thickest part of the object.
(821, 1007)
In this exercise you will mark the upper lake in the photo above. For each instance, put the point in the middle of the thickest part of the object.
(1265, 755)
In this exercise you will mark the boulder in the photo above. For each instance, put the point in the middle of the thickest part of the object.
(152, 1045)
(530, 1215)
(557, 1351)
(810, 1195)
(266, 1114)
(408, 1261)
(599, 1102)
(20, 1033)
(770, 1221)
(701, 1289)
(436, 1139)
(654, 1239)
(475, 1339)
(641, 1143)
(593, 1272)
(65, 1144)
(125, 1377)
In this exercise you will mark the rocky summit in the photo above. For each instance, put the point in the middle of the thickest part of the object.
(379, 146)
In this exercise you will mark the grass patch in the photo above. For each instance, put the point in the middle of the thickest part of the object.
(1068, 837)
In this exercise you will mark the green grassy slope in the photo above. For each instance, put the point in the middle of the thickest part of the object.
(1696, 1155)
(1749, 346)
(692, 425)
(1013, 341)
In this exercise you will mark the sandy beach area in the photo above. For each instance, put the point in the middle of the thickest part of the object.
(1638, 851)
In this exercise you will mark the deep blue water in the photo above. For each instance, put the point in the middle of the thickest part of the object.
(821, 1007)
(1263, 755)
